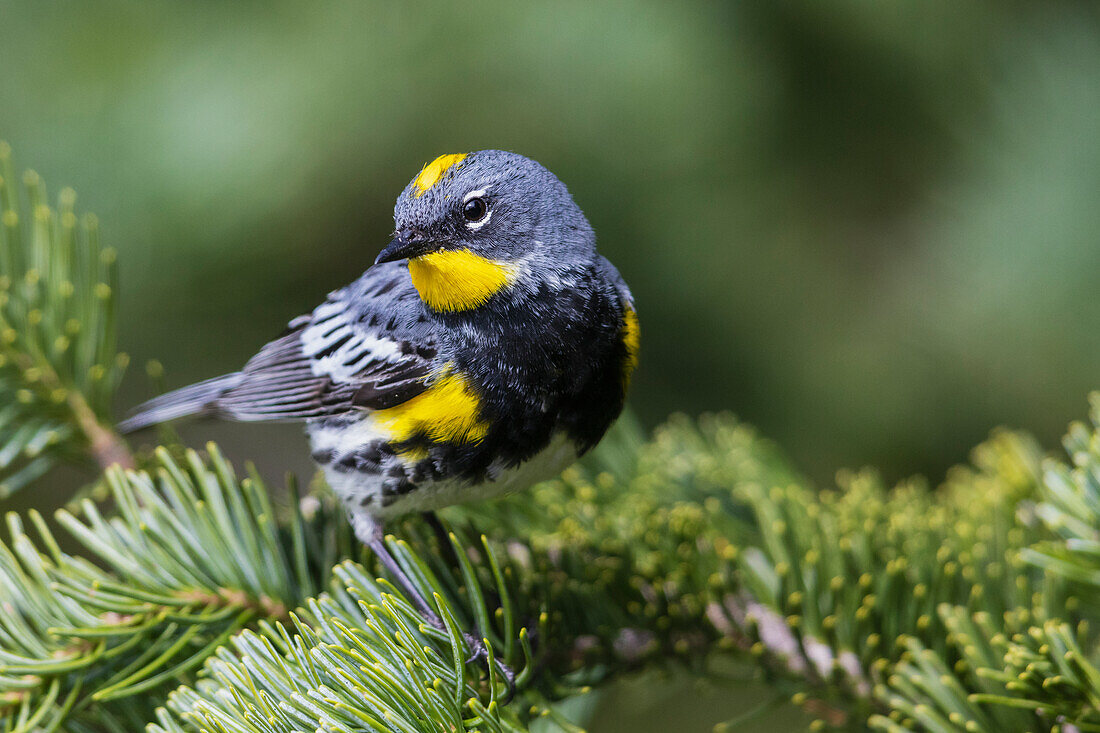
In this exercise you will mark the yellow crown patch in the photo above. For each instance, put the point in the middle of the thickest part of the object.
(431, 173)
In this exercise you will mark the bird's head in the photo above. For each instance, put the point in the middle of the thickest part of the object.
(473, 224)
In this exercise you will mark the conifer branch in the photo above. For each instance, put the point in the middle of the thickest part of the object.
(681, 561)
(58, 363)
(1034, 668)
(1023, 673)
(1071, 511)
(901, 609)
(191, 556)
(676, 560)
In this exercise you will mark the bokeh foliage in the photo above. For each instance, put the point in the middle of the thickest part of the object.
(854, 224)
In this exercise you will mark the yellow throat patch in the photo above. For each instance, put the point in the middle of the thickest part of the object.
(458, 280)
(449, 411)
(431, 173)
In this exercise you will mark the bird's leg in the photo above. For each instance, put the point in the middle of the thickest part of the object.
(477, 645)
(378, 547)
(372, 536)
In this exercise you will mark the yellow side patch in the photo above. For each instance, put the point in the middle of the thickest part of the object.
(414, 454)
(449, 411)
(458, 280)
(632, 342)
(431, 173)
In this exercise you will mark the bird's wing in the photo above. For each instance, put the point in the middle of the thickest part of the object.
(357, 350)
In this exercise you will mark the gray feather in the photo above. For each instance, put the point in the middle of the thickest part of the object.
(195, 399)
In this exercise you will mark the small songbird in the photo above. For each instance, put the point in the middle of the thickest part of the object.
(488, 347)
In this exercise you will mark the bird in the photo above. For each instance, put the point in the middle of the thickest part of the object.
(487, 348)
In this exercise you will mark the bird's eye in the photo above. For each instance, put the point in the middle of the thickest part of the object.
(475, 209)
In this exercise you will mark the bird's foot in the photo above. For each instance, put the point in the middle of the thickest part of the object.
(479, 651)
(477, 647)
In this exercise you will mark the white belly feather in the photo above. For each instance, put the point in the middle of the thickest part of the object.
(362, 492)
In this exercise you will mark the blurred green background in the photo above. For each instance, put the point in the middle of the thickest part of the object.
(868, 228)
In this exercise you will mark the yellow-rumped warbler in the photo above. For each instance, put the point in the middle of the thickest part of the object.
(487, 348)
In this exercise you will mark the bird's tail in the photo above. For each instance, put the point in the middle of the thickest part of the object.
(196, 399)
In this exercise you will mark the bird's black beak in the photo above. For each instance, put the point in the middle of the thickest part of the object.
(405, 245)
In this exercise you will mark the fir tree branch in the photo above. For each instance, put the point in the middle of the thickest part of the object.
(360, 659)
(1023, 673)
(58, 364)
(192, 556)
(678, 558)
(900, 608)
(1026, 670)
(683, 559)
(1071, 511)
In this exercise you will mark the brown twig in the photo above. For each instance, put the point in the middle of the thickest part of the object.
(107, 446)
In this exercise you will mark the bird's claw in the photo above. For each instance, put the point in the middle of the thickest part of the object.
(477, 647)
(479, 651)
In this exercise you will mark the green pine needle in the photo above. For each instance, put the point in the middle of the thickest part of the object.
(58, 363)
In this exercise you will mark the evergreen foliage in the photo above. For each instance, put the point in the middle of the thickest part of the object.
(58, 365)
(182, 598)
